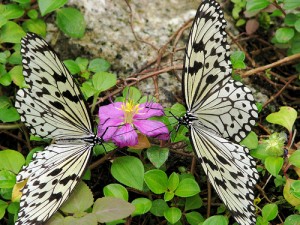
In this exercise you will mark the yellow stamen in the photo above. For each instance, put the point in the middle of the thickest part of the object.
(130, 109)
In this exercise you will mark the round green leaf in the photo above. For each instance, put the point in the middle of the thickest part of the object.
(116, 190)
(108, 209)
(157, 155)
(292, 220)
(142, 206)
(270, 211)
(17, 76)
(129, 170)
(47, 6)
(9, 115)
(98, 65)
(7, 179)
(89, 219)
(11, 11)
(80, 200)
(103, 81)
(290, 4)
(284, 35)
(290, 19)
(172, 215)
(11, 33)
(194, 202)
(251, 141)
(295, 188)
(294, 159)
(173, 181)
(194, 218)
(285, 117)
(71, 22)
(37, 26)
(11, 160)
(274, 165)
(132, 93)
(3, 206)
(157, 181)
(72, 66)
(213, 220)
(187, 188)
(158, 208)
(297, 25)
(256, 5)
(168, 196)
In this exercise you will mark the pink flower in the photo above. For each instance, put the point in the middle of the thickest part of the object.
(119, 121)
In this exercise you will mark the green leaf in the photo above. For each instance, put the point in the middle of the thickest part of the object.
(158, 208)
(142, 206)
(7, 179)
(213, 220)
(187, 188)
(251, 141)
(290, 19)
(98, 65)
(3, 206)
(291, 4)
(194, 202)
(128, 170)
(80, 200)
(132, 93)
(37, 26)
(284, 35)
(33, 14)
(172, 215)
(285, 117)
(103, 81)
(87, 89)
(256, 5)
(157, 155)
(108, 209)
(173, 181)
(237, 59)
(9, 115)
(297, 25)
(270, 211)
(11, 160)
(11, 11)
(292, 220)
(156, 180)
(17, 76)
(115, 190)
(168, 196)
(89, 219)
(47, 6)
(11, 33)
(274, 165)
(71, 22)
(72, 66)
(82, 63)
(5, 79)
(294, 159)
(194, 218)
(295, 188)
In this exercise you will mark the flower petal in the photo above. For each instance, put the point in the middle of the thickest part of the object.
(125, 136)
(148, 110)
(112, 110)
(152, 128)
(108, 128)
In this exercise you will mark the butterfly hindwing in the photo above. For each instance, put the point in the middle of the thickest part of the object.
(231, 171)
(52, 106)
(52, 175)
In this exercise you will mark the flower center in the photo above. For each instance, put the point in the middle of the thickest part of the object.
(130, 109)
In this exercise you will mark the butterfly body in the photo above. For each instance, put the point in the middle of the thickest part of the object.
(51, 107)
(219, 111)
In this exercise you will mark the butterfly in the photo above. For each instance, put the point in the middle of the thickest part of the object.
(52, 107)
(218, 109)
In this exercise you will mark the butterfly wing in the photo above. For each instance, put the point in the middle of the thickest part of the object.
(52, 106)
(231, 171)
(52, 175)
(225, 106)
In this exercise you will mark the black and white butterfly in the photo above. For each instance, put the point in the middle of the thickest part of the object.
(52, 107)
(219, 108)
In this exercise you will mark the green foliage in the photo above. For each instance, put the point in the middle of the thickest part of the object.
(285, 117)
(157, 155)
(237, 59)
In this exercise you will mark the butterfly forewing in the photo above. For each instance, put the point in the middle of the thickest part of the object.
(217, 108)
(52, 106)
(52, 175)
